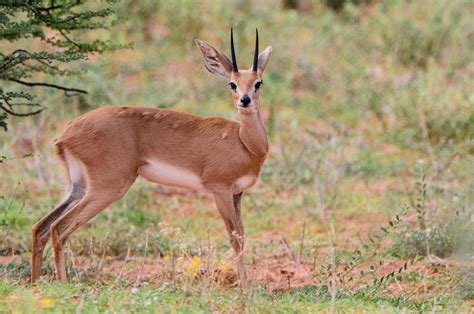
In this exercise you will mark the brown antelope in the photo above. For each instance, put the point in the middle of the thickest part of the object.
(105, 150)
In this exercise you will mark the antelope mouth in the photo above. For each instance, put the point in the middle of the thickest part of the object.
(247, 106)
(249, 109)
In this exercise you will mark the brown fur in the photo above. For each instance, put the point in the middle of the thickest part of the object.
(181, 139)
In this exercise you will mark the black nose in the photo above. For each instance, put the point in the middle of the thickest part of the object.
(245, 100)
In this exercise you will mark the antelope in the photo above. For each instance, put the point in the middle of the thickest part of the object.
(105, 150)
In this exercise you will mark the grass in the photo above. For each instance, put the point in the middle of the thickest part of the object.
(173, 298)
(369, 110)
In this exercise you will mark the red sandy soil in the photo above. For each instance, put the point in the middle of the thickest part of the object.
(277, 272)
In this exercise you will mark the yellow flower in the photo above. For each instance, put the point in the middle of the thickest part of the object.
(226, 266)
(46, 302)
(195, 265)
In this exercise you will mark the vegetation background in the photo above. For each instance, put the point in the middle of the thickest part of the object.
(364, 204)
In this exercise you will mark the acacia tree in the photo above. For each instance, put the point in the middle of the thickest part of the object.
(59, 26)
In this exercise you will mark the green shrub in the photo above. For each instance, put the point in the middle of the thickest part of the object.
(439, 233)
(414, 42)
(417, 243)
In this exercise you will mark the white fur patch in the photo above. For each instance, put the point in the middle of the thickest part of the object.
(166, 174)
(244, 183)
(76, 173)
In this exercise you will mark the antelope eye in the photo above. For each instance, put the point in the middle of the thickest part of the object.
(258, 85)
(233, 86)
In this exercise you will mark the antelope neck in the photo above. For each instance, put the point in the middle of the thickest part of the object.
(252, 131)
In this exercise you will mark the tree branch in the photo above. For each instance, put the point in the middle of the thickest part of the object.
(17, 114)
(14, 58)
(63, 88)
(69, 39)
(37, 68)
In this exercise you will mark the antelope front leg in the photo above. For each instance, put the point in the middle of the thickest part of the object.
(229, 208)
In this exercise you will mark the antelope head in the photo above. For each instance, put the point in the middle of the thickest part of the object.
(245, 85)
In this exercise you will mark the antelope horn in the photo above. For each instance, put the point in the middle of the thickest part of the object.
(255, 57)
(234, 61)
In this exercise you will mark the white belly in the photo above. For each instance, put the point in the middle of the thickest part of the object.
(166, 174)
(244, 182)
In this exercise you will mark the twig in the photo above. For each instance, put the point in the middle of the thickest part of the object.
(332, 252)
(123, 266)
(65, 89)
(69, 39)
(17, 114)
(398, 283)
(302, 241)
(208, 250)
(14, 58)
(36, 68)
(142, 266)
(102, 258)
(290, 251)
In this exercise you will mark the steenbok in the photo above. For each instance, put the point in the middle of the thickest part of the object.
(105, 150)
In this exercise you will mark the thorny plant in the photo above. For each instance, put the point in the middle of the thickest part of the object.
(365, 270)
(440, 227)
(364, 266)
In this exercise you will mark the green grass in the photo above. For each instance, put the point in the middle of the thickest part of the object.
(46, 297)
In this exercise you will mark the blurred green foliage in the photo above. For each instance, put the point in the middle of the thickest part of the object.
(355, 93)
(402, 66)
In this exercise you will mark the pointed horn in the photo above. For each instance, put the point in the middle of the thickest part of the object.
(255, 57)
(234, 61)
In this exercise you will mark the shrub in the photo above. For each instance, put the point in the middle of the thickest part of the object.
(436, 233)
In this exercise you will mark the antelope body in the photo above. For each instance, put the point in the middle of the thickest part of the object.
(105, 150)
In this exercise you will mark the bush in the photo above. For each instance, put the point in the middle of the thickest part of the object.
(436, 233)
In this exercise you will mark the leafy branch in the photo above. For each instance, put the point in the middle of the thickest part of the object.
(59, 25)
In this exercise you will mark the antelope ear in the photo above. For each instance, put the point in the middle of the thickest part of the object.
(215, 61)
(263, 59)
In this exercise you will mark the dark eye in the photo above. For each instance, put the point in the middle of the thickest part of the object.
(258, 85)
(233, 86)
